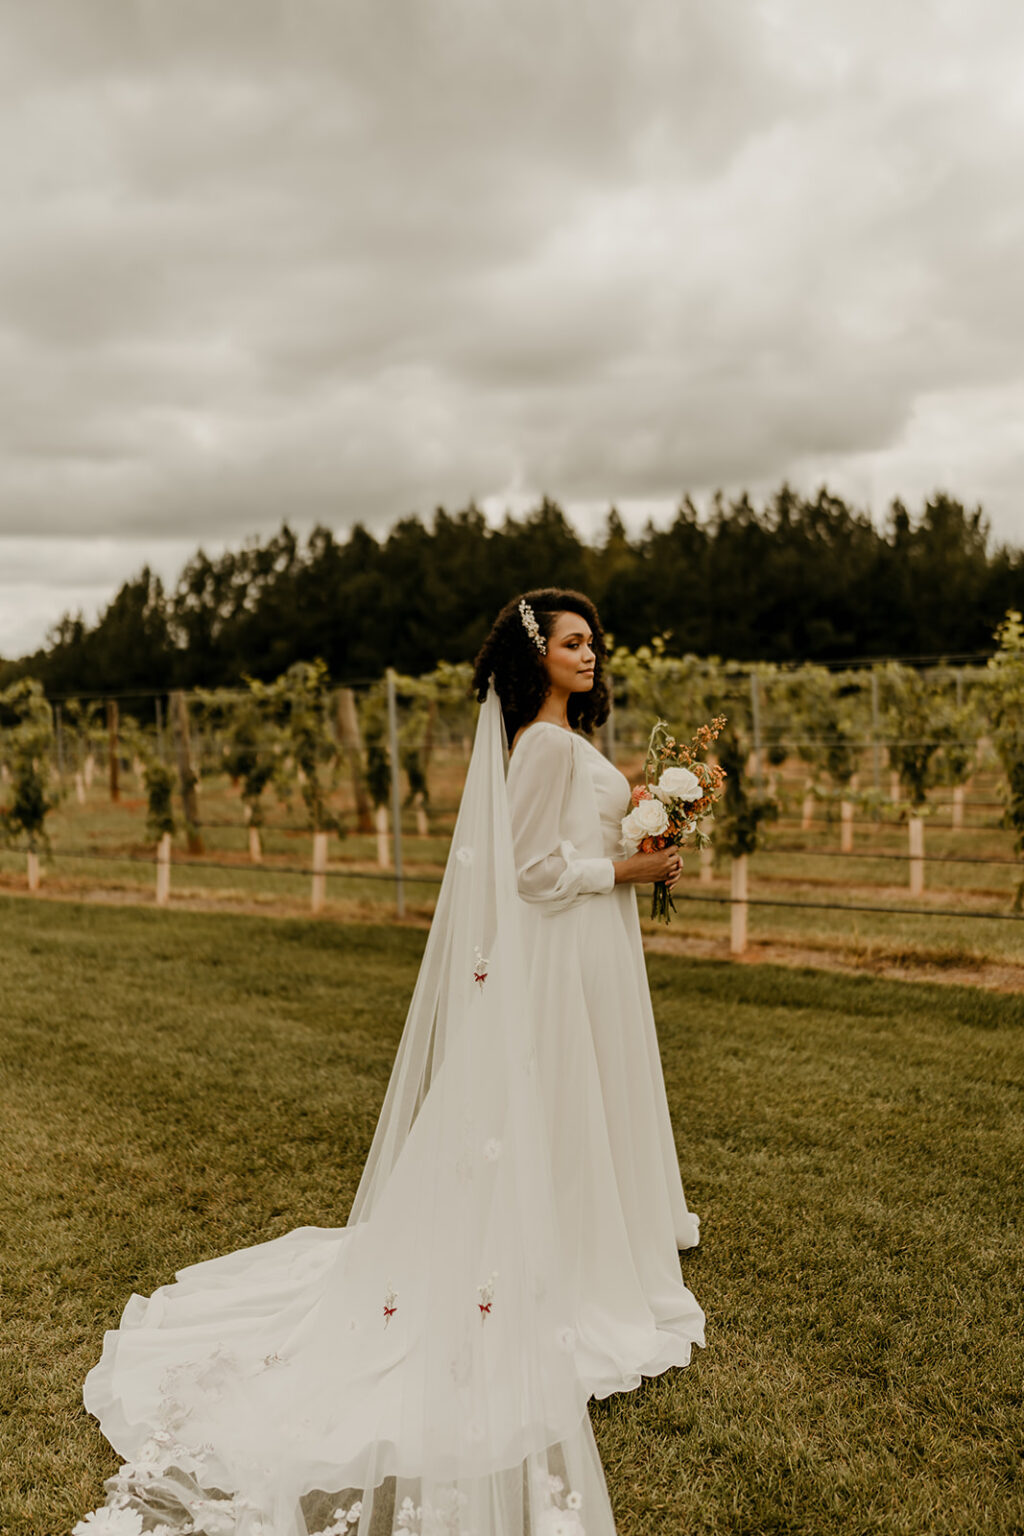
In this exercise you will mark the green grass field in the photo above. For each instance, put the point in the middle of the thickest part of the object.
(177, 1085)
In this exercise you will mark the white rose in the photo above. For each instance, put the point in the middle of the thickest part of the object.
(678, 784)
(648, 819)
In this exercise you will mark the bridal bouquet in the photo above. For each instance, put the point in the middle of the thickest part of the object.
(674, 800)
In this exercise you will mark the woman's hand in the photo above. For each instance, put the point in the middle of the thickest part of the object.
(645, 868)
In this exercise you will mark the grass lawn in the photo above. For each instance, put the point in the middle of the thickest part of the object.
(177, 1085)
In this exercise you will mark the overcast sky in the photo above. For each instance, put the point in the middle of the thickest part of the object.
(350, 259)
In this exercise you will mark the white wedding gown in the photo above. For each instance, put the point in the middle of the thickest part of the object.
(512, 1247)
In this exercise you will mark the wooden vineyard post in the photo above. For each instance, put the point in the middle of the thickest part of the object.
(958, 806)
(396, 792)
(738, 906)
(915, 828)
(380, 817)
(707, 865)
(90, 769)
(112, 749)
(319, 891)
(351, 741)
(32, 863)
(807, 814)
(894, 787)
(187, 777)
(163, 870)
(846, 826)
(79, 788)
(255, 841)
(422, 824)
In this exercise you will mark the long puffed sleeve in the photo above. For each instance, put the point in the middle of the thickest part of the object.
(550, 869)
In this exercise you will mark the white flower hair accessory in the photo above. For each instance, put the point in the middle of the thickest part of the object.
(531, 626)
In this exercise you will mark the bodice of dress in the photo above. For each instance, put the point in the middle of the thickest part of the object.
(566, 803)
(611, 792)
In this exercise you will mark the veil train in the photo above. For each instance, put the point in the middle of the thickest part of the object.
(414, 1371)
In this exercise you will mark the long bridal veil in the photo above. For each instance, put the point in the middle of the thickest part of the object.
(412, 1372)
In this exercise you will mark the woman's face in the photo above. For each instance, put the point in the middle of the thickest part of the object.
(570, 658)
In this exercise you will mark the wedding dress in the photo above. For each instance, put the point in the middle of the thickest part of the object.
(511, 1250)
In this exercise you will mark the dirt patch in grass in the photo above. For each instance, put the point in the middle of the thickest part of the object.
(954, 968)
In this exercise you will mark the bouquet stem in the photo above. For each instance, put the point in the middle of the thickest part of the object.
(661, 903)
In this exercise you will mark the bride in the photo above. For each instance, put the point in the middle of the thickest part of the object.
(512, 1248)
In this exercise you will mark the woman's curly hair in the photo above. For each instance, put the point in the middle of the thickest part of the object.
(512, 657)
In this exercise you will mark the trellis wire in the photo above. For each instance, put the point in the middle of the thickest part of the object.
(677, 895)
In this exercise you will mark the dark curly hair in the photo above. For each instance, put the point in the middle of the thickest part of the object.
(518, 667)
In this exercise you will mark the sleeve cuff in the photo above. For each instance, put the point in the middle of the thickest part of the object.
(598, 875)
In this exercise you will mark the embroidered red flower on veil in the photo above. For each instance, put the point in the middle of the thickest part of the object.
(480, 969)
(486, 1294)
(390, 1305)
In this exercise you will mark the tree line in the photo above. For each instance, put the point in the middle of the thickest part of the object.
(796, 579)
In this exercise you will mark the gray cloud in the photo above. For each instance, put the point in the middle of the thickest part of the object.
(344, 262)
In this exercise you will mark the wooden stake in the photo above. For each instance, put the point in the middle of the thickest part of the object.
(846, 826)
(807, 814)
(915, 827)
(958, 805)
(383, 837)
(79, 789)
(707, 865)
(255, 846)
(33, 870)
(894, 787)
(319, 870)
(163, 870)
(422, 824)
(738, 909)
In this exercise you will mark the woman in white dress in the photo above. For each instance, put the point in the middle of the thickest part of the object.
(512, 1247)
(617, 1181)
